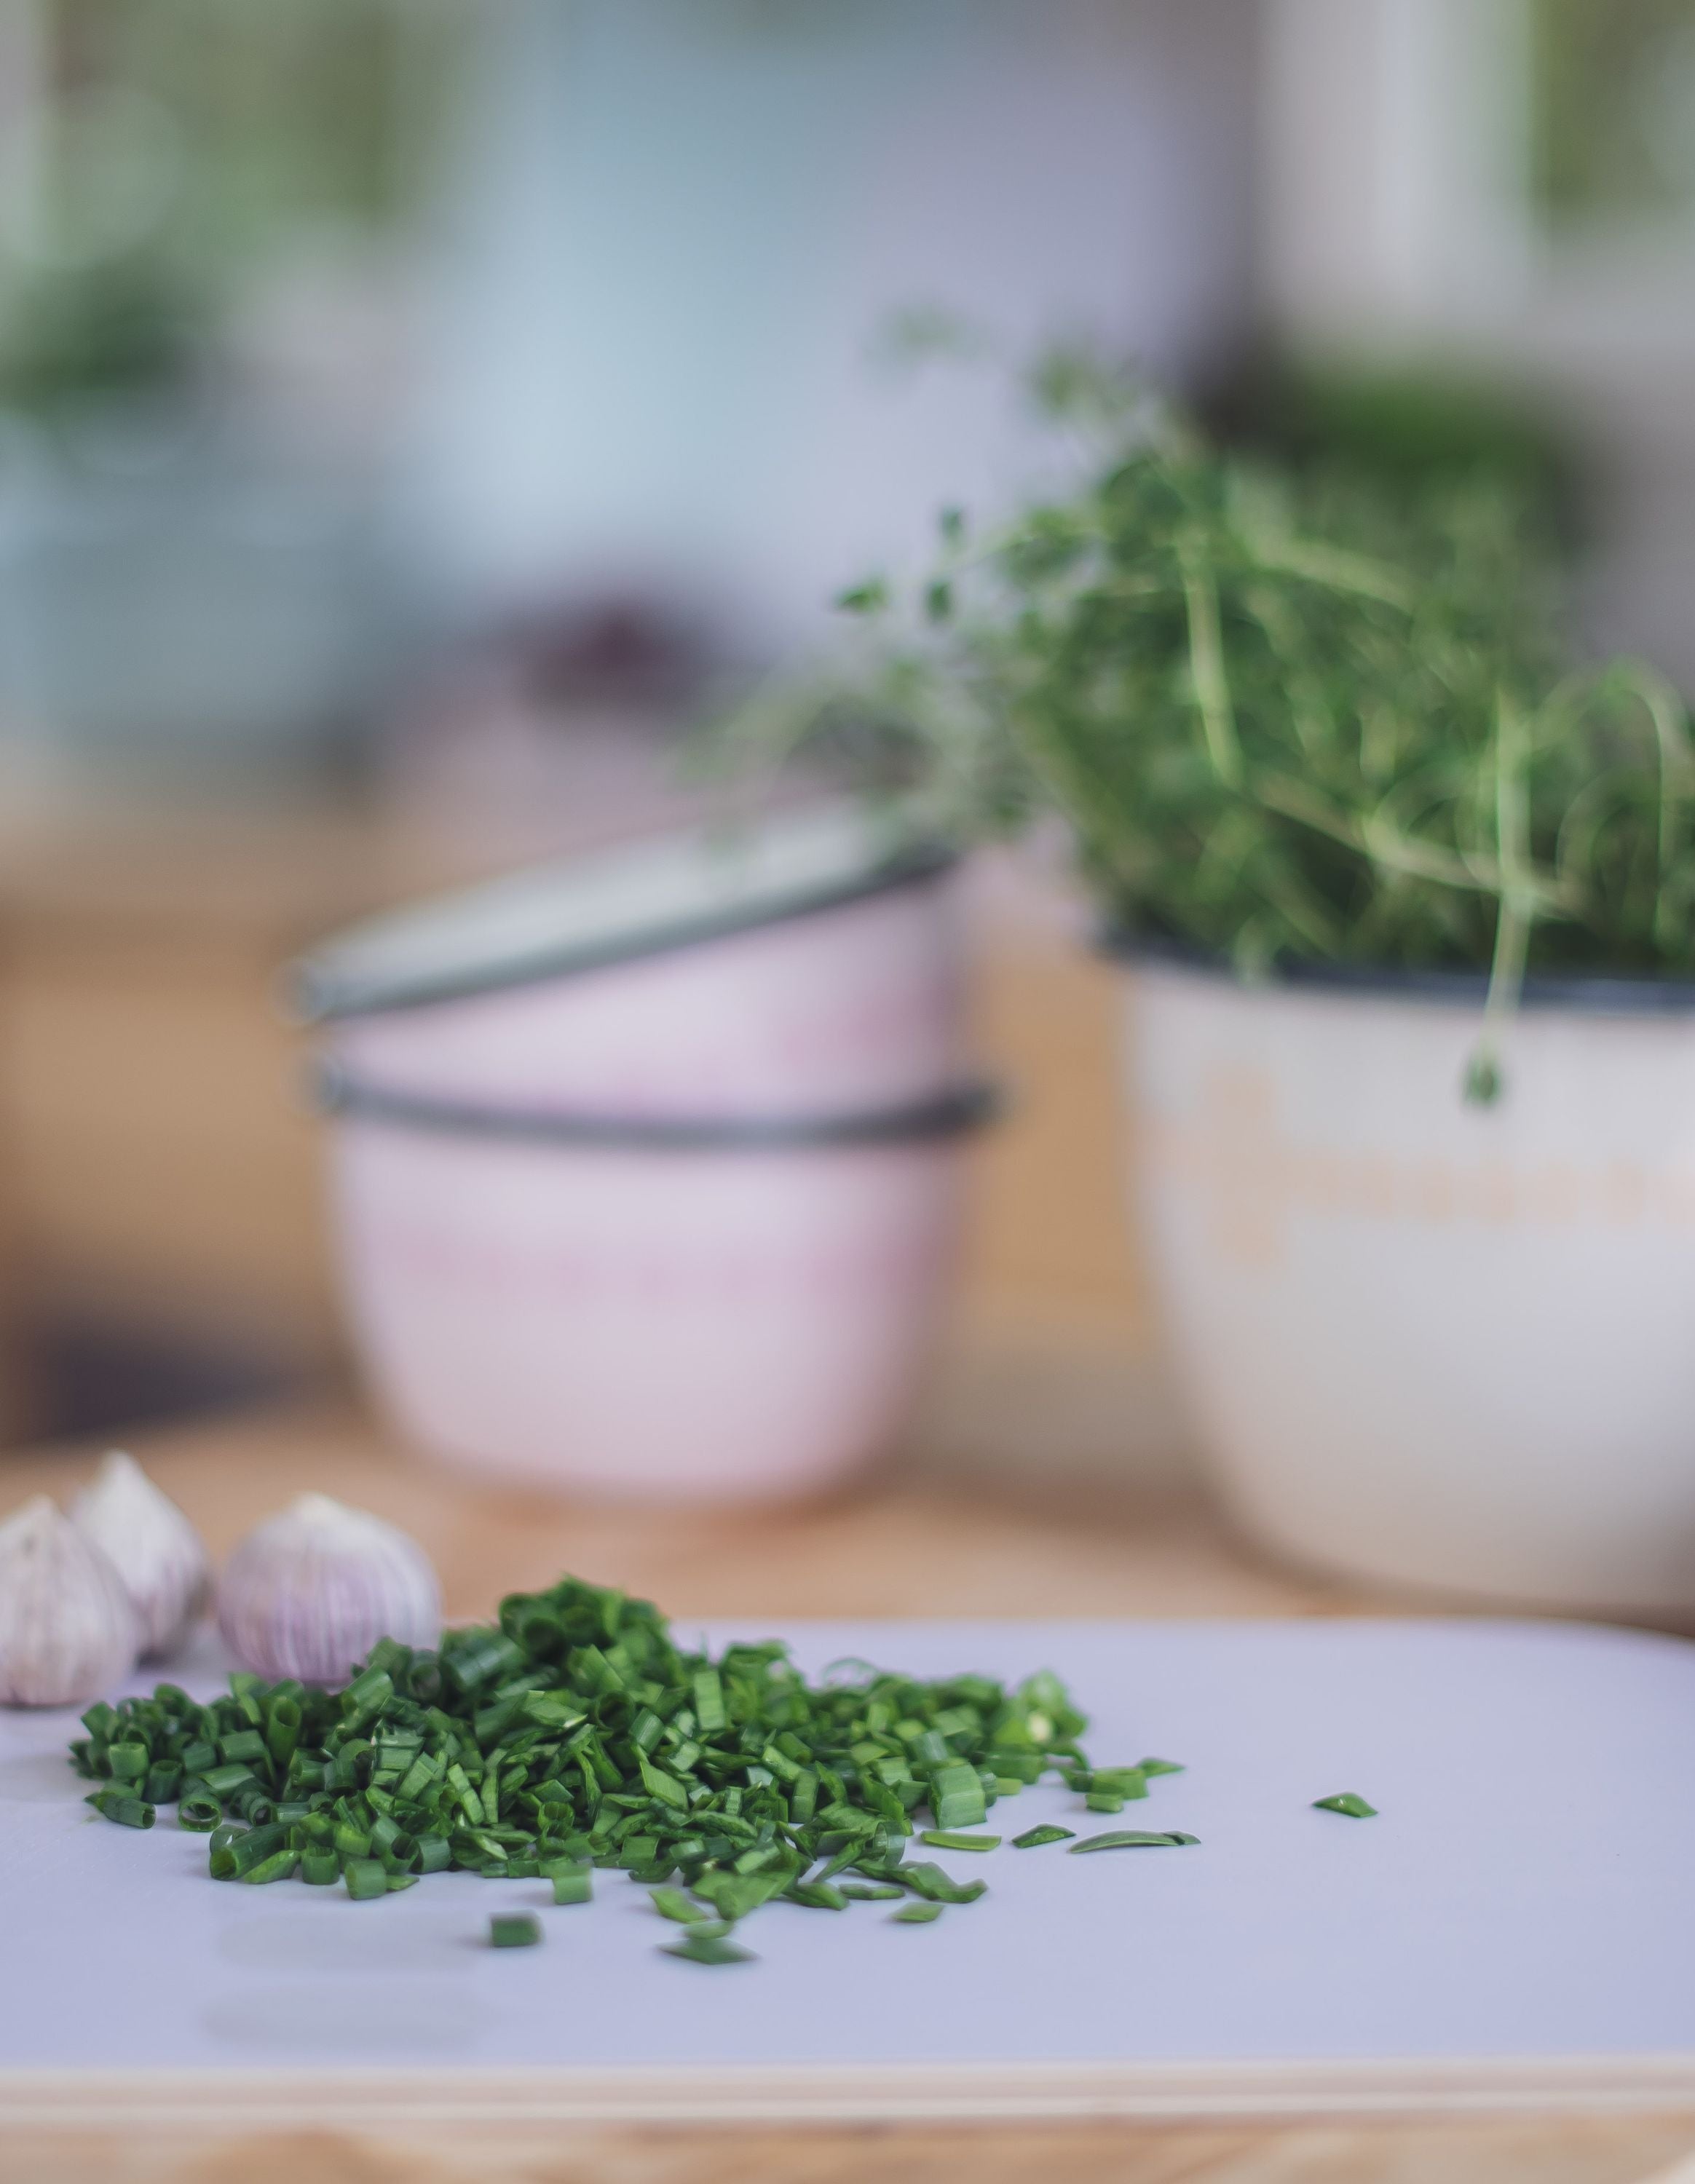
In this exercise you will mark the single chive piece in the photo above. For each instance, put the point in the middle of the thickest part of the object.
(396, 1881)
(571, 1883)
(817, 1896)
(1345, 1801)
(1161, 1766)
(930, 1882)
(858, 1891)
(950, 1839)
(199, 1815)
(514, 1930)
(125, 1811)
(367, 1878)
(958, 1797)
(1131, 1839)
(673, 1904)
(696, 1947)
(915, 1914)
(1034, 1838)
(279, 1866)
(1104, 1801)
(321, 1869)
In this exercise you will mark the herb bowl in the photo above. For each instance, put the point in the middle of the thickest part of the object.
(699, 1311)
(1423, 1341)
(807, 964)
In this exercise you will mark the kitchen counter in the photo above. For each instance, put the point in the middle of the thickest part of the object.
(919, 1544)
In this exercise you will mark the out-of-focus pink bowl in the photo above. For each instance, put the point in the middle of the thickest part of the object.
(697, 1313)
(807, 967)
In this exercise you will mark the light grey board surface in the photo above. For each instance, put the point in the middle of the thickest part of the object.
(1528, 1892)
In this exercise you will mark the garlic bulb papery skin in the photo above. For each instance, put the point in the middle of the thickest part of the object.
(310, 1593)
(153, 1547)
(67, 1633)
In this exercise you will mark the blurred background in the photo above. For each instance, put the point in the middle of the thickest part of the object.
(415, 417)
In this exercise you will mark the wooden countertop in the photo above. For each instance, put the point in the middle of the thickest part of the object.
(917, 1545)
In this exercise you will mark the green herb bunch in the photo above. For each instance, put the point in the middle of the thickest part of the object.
(576, 1733)
(1286, 719)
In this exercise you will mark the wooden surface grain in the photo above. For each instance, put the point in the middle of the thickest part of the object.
(915, 1545)
(915, 1542)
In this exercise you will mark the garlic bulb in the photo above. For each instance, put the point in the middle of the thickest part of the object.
(310, 1593)
(153, 1547)
(67, 1632)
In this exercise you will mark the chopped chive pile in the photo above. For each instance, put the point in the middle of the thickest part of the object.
(574, 1733)
(1345, 1801)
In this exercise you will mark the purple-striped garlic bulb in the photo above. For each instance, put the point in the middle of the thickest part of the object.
(67, 1629)
(310, 1593)
(153, 1547)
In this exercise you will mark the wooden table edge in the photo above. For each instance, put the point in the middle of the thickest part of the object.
(1269, 2092)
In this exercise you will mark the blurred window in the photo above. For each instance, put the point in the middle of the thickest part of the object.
(156, 161)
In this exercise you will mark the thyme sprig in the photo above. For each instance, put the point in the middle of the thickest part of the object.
(1285, 721)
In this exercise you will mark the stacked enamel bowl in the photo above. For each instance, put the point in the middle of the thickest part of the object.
(646, 1165)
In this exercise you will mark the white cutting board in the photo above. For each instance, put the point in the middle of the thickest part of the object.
(1517, 1927)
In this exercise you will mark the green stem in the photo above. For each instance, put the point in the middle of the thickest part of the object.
(1206, 666)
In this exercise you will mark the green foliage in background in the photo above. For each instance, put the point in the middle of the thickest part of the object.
(1287, 718)
(1611, 110)
(1408, 429)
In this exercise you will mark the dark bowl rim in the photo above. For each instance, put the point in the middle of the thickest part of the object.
(958, 1111)
(1581, 995)
(313, 995)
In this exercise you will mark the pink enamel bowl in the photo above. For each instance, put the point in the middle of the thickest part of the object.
(686, 1312)
(812, 965)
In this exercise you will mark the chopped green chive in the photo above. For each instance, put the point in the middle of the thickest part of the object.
(1160, 1766)
(930, 1882)
(1345, 1801)
(514, 1930)
(697, 1947)
(1130, 1839)
(958, 1797)
(279, 1866)
(1127, 1783)
(917, 1914)
(126, 1812)
(817, 1896)
(1034, 1838)
(576, 1733)
(673, 1904)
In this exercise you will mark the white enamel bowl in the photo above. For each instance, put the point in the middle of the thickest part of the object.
(1423, 1342)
